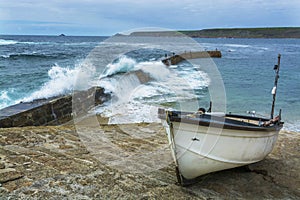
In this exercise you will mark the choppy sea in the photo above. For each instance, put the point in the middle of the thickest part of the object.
(33, 67)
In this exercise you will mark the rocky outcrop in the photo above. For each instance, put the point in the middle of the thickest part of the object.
(268, 32)
(53, 111)
(54, 163)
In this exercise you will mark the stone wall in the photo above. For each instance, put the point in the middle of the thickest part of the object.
(54, 111)
(175, 59)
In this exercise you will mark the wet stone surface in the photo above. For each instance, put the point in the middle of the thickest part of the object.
(59, 163)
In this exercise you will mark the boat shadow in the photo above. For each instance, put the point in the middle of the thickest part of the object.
(268, 177)
(263, 168)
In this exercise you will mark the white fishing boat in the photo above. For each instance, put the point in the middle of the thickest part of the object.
(206, 142)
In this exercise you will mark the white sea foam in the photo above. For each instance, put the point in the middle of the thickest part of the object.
(3, 95)
(5, 99)
(64, 80)
(7, 42)
(124, 64)
(135, 99)
(155, 69)
(163, 79)
(5, 56)
(11, 42)
(129, 112)
(237, 45)
(292, 126)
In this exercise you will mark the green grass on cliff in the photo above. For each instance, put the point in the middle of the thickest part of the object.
(282, 32)
(272, 32)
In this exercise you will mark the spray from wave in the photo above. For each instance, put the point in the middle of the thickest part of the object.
(5, 99)
(63, 81)
(139, 88)
(124, 64)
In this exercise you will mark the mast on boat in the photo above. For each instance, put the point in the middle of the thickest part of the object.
(274, 90)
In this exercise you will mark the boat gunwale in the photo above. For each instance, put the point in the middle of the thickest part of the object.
(222, 122)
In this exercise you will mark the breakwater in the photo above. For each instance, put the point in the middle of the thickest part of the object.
(177, 58)
(52, 111)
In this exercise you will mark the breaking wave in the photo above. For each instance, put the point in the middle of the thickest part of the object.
(63, 81)
(5, 99)
(139, 87)
(7, 42)
(35, 55)
(124, 64)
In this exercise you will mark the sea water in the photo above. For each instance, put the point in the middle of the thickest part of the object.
(33, 67)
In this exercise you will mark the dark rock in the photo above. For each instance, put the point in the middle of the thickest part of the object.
(2, 165)
(7, 175)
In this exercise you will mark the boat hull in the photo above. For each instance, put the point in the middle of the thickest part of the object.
(198, 150)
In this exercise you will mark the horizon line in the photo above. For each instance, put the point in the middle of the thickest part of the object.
(95, 35)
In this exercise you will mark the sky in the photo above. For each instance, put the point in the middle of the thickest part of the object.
(107, 17)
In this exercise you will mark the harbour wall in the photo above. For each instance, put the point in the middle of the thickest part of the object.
(177, 58)
(53, 111)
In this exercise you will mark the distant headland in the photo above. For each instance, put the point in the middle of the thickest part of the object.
(271, 32)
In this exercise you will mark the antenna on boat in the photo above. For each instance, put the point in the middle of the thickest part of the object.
(274, 90)
(210, 106)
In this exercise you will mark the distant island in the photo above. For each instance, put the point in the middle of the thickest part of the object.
(272, 32)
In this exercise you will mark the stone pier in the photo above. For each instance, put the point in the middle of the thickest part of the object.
(52, 111)
(177, 58)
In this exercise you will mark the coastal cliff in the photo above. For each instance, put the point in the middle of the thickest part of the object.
(276, 32)
(52, 163)
(272, 32)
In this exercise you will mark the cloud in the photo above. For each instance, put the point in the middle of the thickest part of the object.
(113, 16)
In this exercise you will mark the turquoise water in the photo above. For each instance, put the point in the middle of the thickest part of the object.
(43, 66)
(26, 60)
(246, 68)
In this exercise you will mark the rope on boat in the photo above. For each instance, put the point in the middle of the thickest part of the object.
(272, 121)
